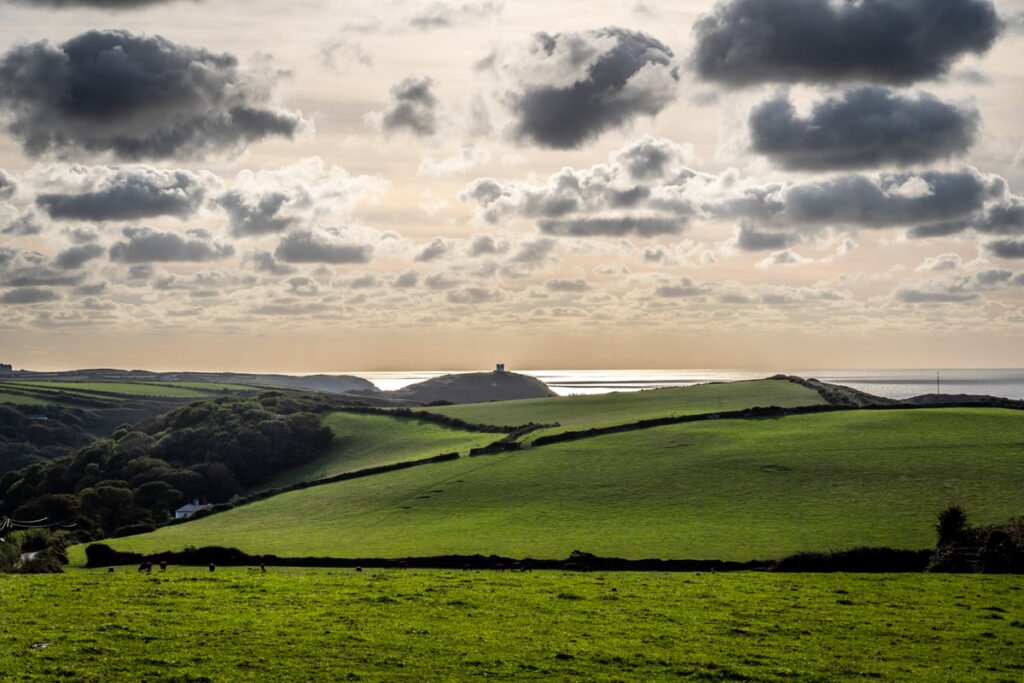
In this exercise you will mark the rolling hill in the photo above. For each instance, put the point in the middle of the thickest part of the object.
(370, 440)
(726, 489)
(618, 408)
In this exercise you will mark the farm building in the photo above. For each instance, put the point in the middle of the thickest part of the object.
(189, 509)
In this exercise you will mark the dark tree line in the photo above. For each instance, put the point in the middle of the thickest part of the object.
(34, 434)
(989, 549)
(209, 450)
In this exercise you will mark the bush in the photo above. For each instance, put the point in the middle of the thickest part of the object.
(951, 524)
(860, 560)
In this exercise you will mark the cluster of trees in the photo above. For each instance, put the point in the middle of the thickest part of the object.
(210, 450)
(34, 434)
(992, 549)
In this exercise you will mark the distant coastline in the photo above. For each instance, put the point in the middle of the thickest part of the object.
(892, 383)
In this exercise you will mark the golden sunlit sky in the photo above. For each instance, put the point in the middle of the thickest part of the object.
(326, 186)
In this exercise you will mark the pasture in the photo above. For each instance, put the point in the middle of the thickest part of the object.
(21, 399)
(168, 390)
(601, 410)
(371, 440)
(322, 625)
(718, 489)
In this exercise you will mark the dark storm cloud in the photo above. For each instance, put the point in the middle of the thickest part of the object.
(82, 235)
(744, 42)
(433, 251)
(142, 271)
(474, 295)
(305, 246)
(656, 254)
(440, 281)
(651, 158)
(534, 253)
(91, 290)
(263, 262)
(684, 289)
(76, 257)
(864, 127)
(409, 278)
(130, 194)
(642, 190)
(918, 296)
(7, 186)
(577, 285)
(992, 277)
(751, 239)
(412, 108)
(614, 227)
(143, 245)
(251, 215)
(1004, 219)
(1008, 249)
(28, 295)
(887, 200)
(135, 97)
(622, 75)
(367, 281)
(482, 245)
(940, 229)
(40, 276)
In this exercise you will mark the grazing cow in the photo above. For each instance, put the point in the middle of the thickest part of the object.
(213, 567)
(110, 570)
(146, 567)
(263, 567)
(163, 565)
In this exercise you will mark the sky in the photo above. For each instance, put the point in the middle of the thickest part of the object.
(327, 186)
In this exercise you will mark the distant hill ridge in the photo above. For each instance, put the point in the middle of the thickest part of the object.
(474, 387)
(469, 387)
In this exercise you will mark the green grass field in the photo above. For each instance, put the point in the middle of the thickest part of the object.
(322, 625)
(120, 388)
(725, 489)
(210, 387)
(21, 399)
(362, 441)
(617, 408)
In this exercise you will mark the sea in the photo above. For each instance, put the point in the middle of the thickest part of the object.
(1007, 383)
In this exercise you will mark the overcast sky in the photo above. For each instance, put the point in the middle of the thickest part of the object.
(327, 186)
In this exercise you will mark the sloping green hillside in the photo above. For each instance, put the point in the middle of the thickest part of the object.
(618, 408)
(168, 389)
(727, 489)
(367, 440)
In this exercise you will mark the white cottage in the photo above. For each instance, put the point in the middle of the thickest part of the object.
(189, 509)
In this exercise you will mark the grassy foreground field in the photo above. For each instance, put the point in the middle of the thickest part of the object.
(367, 440)
(319, 625)
(618, 408)
(720, 489)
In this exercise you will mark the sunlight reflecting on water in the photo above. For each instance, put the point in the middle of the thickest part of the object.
(1008, 383)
